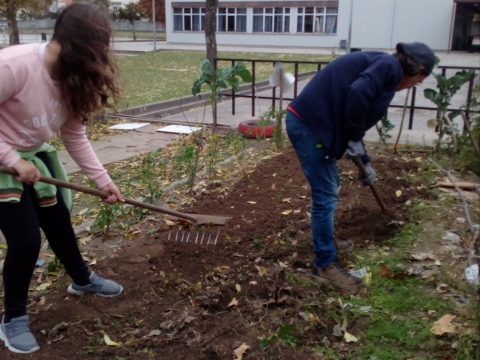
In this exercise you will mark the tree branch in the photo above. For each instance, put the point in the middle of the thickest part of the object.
(401, 123)
(472, 138)
(464, 201)
(454, 137)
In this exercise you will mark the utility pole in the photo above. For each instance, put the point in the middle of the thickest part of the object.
(154, 27)
(349, 42)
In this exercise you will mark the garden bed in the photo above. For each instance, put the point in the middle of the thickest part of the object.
(177, 302)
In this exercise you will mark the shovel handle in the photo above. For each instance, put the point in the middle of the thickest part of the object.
(372, 187)
(102, 194)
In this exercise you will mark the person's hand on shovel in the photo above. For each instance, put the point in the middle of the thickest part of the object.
(370, 179)
(355, 151)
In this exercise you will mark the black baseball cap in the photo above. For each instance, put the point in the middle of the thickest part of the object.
(419, 52)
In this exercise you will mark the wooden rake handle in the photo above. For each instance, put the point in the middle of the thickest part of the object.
(372, 187)
(102, 194)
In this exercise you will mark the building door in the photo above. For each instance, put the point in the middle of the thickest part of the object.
(466, 29)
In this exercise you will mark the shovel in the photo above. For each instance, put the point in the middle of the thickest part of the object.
(192, 219)
(372, 187)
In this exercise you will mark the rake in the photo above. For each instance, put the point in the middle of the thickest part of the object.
(177, 218)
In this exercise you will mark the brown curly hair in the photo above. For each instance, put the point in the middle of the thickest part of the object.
(85, 69)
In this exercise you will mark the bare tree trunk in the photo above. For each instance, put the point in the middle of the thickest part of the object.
(211, 42)
(11, 15)
(210, 38)
(133, 29)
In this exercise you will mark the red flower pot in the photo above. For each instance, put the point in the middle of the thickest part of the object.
(250, 130)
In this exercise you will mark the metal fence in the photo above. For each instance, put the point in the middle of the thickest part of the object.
(412, 107)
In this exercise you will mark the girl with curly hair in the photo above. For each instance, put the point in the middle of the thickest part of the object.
(44, 89)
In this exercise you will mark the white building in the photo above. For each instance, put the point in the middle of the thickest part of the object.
(376, 24)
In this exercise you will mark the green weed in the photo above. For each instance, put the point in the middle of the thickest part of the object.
(283, 334)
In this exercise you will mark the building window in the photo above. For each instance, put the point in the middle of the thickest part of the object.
(232, 19)
(189, 19)
(317, 20)
(271, 19)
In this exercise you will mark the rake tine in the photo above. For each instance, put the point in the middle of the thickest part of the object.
(169, 233)
(203, 235)
(188, 237)
(183, 235)
(176, 237)
(208, 242)
(218, 233)
(198, 233)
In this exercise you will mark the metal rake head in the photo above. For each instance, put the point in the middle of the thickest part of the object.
(183, 235)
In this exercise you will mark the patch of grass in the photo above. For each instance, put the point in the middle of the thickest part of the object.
(407, 235)
(399, 325)
(164, 75)
(295, 278)
(120, 34)
(402, 296)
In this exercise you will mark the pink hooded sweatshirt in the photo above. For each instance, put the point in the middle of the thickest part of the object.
(31, 112)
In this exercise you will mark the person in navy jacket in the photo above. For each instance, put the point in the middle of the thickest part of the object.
(330, 117)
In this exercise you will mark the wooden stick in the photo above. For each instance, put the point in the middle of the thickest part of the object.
(102, 194)
(372, 187)
(461, 185)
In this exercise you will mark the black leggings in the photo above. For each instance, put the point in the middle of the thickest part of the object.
(20, 223)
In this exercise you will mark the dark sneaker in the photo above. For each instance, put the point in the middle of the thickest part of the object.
(333, 274)
(17, 335)
(344, 245)
(98, 285)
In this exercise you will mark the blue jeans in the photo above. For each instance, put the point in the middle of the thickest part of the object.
(322, 175)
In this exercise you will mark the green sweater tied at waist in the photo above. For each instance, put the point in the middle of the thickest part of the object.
(11, 188)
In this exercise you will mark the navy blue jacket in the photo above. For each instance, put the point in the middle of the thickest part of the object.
(348, 97)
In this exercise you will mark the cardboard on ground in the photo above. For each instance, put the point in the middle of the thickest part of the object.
(178, 129)
(128, 126)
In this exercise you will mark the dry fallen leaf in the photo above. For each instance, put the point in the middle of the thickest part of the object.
(234, 302)
(43, 286)
(420, 256)
(398, 193)
(253, 283)
(385, 272)
(261, 270)
(251, 202)
(85, 240)
(426, 274)
(238, 352)
(296, 211)
(238, 287)
(109, 341)
(287, 212)
(287, 200)
(444, 325)
(349, 337)
(170, 222)
(154, 333)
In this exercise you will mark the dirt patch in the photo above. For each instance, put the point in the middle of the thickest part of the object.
(177, 302)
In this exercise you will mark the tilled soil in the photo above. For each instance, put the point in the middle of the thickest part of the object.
(177, 299)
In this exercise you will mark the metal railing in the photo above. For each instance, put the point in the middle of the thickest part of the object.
(412, 107)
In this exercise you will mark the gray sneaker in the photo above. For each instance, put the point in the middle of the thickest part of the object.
(17, 335)
(98, 285)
